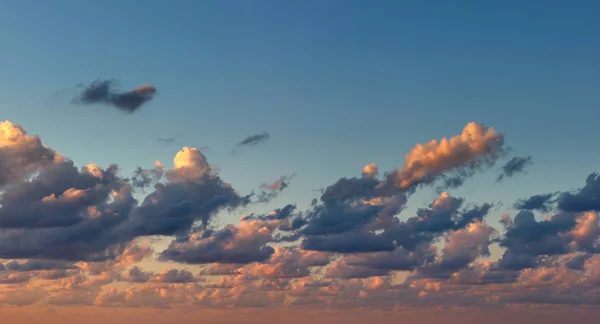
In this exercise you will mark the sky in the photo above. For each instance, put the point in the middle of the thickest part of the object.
(255, 109)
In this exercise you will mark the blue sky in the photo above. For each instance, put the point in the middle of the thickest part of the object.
(337, 84)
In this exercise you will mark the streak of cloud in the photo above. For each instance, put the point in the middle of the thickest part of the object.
(254, 139)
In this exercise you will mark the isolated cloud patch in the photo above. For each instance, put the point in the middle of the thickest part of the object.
(254, 140)
(270, 191)
(514, 166)
(104, 92)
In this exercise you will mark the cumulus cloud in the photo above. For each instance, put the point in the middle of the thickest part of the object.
(244, 243)
(476, 147)
(513, 166)
(87, 214)
(104, 92)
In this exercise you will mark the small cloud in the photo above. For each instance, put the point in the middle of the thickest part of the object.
(254, 139)
(514, 166)
(271, 190)
(168, 140)
(103, 92)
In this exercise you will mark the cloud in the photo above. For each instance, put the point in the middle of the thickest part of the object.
(541, 202)
(476, 147)
(103, 92)
(270, 191)
(585, 199)
(244, 243)
(514, 166)
(87, 214)
(21, 154)
(254, 139)
(86, 236)
(166, 140)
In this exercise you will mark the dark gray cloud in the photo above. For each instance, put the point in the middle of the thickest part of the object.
(398, 259)
(585, 199)
(37, 265)
(541, 202)
(357, 241)
(104, 92)
(278, 214)
(527, 239)
(514, 166)
(254, 139)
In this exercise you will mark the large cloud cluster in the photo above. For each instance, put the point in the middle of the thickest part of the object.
(68, 233)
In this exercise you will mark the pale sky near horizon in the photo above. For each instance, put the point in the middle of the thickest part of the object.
(337, 85)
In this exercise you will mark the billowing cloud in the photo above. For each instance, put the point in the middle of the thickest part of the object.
(476, 147)
(514, 166)
(104, 92)
(587, 198)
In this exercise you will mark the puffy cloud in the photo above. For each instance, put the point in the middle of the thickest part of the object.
(103, 92)
(586, 199)
(462, 247)
(90, 214)
(21, 154)
(173, 276)
(514, 166)
(477, 146)
(288, 263)
(244, 243)
(82, 234)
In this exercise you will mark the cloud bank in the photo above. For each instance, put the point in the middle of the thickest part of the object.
(83, 235)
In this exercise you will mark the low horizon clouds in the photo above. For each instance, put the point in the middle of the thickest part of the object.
(81, 229)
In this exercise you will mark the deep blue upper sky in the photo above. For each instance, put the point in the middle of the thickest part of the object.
(338, 84)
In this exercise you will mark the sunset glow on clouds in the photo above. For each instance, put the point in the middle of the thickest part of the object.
(322, 162)
(81, 236)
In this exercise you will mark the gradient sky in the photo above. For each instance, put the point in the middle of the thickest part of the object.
(337, 84)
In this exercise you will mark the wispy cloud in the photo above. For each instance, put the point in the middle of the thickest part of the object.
(254, 139)
(513, 166)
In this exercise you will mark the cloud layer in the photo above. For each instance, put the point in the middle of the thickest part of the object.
(84, 235)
